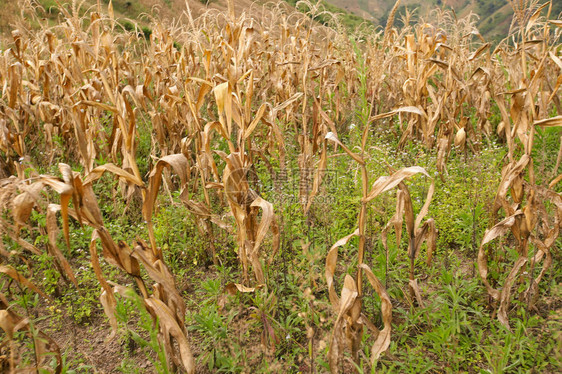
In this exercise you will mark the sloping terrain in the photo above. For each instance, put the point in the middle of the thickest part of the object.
(137, 10)
(494, 15)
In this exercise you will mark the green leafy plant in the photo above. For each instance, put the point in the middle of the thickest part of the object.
(144, 333)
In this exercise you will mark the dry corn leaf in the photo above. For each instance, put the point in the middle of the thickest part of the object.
(413, 283)
(406, 109)
(533, 19)
(97, 172)
(514, 171)
(259, 114)
(52, 232)
(460, 138)
(549, 122)
(318, 174)
(107, 298)
(13, 273)
(331, 262)
(499, 229)
(383, 184)
(478, 52)
(506, 291)
(169, 327)
(180, 165)
(425, 208)
(23, 204)
(349, 294)
(555, 181)
(161, 274)
(223, 96)
(426, 232)
(332, 137)
(233, 288)
(268, 217)
(383, 339)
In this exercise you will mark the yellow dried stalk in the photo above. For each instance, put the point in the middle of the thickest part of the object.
(417, 233)
(348, 327)
(529, 224)
(526, 217)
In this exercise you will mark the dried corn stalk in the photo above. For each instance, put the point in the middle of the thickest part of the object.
(417, 233)
(45, 348)
(165, 303)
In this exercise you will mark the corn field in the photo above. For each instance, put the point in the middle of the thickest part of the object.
(106, 131)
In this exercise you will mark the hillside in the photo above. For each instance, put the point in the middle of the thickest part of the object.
(169, 11)
(138, 10)
(494, 15)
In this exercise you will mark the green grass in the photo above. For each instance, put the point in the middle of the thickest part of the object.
(350, 21)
